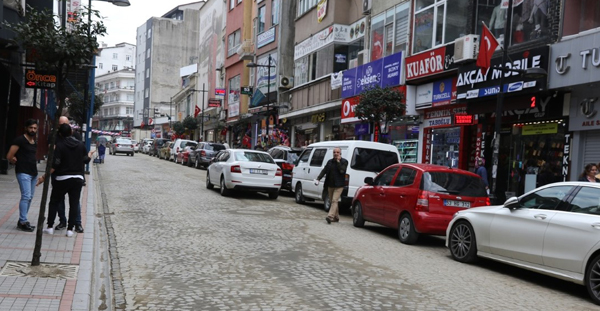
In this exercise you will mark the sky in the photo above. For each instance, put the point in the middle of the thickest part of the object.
(122, 22)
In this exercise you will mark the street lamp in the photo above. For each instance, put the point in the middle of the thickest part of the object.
(532, 73)
(89, 113)
(203, 91)
(269, 66)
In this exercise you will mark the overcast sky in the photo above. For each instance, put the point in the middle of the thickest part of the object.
(122, 22)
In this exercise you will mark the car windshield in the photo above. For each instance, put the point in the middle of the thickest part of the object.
(123, 141)
(248, 156)
(372, 160)
(453, 183)
(214, 147)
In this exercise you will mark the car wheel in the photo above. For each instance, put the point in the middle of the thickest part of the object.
(357, 216)
(299, 196)
(132, 154)
(273, 195)
(592, 279)
(189, 163)
(406, 230)
(462, 244)
(209, 185)
(326, 201)
(224, 190)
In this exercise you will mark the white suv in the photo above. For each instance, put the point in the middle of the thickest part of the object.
(178, 146)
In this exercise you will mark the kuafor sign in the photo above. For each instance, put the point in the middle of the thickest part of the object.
(430, 63)
(348, 106)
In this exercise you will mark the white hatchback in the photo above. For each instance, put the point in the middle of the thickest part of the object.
(553, 230)
(244, 170)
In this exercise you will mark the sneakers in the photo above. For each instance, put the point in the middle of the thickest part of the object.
(49, 230)
(25, 226)
(328, 220)
(69, 233)
(78, 229)
(60, 226)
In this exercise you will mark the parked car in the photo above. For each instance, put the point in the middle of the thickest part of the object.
(121, 145)
(417, 199)
(244, 170)
(157, 145)
(178, 146)
(552, 230)
(165, 150)
(204, 153)
(365, 159)
(144, 142)
(136, 145)
(147, 145)
(285, 157)
(183, 156)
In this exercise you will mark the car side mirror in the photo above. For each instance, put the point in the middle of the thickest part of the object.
(369, 181)
(512, 203)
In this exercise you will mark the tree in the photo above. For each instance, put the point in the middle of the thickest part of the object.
(76, 106)
(57, 49)
(190, 123)
(178, 128)
(379, 104)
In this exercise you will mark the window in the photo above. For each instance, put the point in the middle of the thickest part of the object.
(148, 53)
(129, 110)
(147, 72)
(233, 42)
(305, 6)
(436, 24)
(261, 18)
(114, 67)
(547, 198)
(385, 178)
(130, 97)
(372, 160)
(406, 177)
(234, 90)
(128, 58)
(310, 67)
(318, 157)
(305, 155)
(149, 33)
(586, 201)
(231, 4)
(115, 56)
(146, 93)
(453, 183)
(100, 65)
(248, 156)
(277, 153)
(275, 12)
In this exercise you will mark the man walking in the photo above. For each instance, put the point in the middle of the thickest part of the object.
(22, 154)
(335, 170)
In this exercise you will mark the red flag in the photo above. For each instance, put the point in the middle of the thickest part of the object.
(196, 111)
(487, 46)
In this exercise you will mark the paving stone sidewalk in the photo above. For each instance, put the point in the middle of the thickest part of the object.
(58, 291)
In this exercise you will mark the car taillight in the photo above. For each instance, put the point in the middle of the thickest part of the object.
(346, 180)
(236, 169)
(287, 166)
(423, 202)
(279, 173)
(487, 201)
(117, 145)
(203, 153)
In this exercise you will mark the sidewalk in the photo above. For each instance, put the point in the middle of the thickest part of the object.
(68, 283)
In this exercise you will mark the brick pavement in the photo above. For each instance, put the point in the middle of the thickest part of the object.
(37, 293)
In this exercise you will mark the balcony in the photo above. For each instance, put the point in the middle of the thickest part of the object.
(246, 50)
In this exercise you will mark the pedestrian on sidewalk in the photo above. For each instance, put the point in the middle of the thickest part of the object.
(22, 155)
(62, 224)
(335, 170)
(482, 172)
(70, 155)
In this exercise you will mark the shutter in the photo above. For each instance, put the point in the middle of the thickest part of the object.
(402, 26)
(591, 147)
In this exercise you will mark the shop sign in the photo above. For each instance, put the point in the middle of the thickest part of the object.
(348, 106)
(430, 62)
(246, 90)
(540, 129)
(463, 119)
(37, 80)
(424, 96)
(442, 117)
(265, 37)
(566, 156)
(318, 118)
(336, 80)
(233, 109)
(383, 72)
(214, 102)
(576, 61)
(444, 92)
(361, 129)
(438, 122)
(321, 10)
(584, 116)
(472, 83)
(334, 33)
(219, 92)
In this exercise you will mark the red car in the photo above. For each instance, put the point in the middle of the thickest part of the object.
(417, 198)
(183, 156)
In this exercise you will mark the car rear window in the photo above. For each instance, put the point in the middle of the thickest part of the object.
(453, 183)
(214, 147)
(247, 156)
(123, 141)
(372, 160)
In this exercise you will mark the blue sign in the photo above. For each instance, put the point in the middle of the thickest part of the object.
(442, 92)
(361, 129)
(383, 72)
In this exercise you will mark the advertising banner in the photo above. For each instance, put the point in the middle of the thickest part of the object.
(383, 72)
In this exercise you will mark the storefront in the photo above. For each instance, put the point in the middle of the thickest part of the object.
(446, 136)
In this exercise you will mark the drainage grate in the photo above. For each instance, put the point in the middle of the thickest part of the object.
(44, 270)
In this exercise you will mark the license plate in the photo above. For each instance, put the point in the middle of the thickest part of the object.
(457, 203)
(257, 171)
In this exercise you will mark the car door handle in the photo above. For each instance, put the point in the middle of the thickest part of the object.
(309, 170)
(540, 216)
(596, 225)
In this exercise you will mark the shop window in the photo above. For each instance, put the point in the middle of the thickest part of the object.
(530, 20)
(437, 24)
(445, 145)
(581, 15)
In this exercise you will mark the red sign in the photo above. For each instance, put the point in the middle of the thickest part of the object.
(213, 102)
(220, 92)
(427, 63)
(348, 106)
(463, 119)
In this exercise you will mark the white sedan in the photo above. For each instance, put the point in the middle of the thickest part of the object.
(244, 170)
(553, 230)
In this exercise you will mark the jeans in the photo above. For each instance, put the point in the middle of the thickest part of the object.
(27, 186)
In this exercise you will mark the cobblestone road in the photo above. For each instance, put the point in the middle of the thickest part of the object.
(183, 247)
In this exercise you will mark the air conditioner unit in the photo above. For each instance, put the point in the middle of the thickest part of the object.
(367, 4)
(286, 82)
(465, 48)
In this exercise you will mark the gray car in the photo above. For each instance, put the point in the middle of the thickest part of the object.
(121, 145)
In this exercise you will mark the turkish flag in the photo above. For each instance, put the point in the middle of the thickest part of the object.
(196, 111)
(487, 46)
(377, 51)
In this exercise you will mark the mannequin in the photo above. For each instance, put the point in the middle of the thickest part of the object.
(498, 21)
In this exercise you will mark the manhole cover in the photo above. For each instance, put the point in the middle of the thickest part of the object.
(44, 270)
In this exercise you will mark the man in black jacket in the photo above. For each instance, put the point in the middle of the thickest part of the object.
(70, 155)
(335, 170)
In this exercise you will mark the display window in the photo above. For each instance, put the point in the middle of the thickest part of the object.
(445, 146)
(406, 138)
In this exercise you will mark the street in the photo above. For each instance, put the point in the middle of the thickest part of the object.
(183, 247)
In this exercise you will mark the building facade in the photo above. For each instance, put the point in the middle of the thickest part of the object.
(115, 58)
(117, 91)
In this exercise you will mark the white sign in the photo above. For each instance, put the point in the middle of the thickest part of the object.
(265, 38)
(233, 110)
(334, 33)
(336, 80)
(424, 95)
(437, 122)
